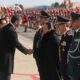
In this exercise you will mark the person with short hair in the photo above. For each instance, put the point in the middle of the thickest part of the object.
(8, 43)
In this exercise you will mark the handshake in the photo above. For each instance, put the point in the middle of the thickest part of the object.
(30, 51)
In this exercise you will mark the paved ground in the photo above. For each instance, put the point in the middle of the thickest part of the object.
(29, 34)
(25, 66)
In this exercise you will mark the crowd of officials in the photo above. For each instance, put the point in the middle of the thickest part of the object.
(56, 45)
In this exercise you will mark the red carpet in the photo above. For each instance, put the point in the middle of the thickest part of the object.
(33, 76)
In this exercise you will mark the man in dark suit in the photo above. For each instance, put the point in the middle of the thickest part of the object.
(8, 43)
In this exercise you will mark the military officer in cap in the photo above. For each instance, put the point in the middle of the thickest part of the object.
(44, 17)
(66, 39)
(73, 58)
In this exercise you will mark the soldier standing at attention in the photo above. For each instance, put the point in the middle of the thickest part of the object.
(44, 17)
(73, 58)
(66, 39)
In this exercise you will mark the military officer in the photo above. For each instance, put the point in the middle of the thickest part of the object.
(66, 39)
(44, 17)
(73, 58)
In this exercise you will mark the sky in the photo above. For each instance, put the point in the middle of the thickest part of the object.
(30, 3)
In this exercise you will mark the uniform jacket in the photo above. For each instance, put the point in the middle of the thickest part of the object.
(48, 47)
(65, 43)
(74, 56)
(37, 38)
(49, 55)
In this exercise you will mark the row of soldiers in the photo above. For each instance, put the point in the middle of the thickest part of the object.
(58, 58)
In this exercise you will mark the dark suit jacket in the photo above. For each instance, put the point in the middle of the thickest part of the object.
(48, 55)
(37, 38)
(8, 43)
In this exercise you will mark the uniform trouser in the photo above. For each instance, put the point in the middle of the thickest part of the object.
(63, 70)
(25, 30)
(38, 66)
(5, 76)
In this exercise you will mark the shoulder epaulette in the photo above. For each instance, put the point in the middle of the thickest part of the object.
(70, 33)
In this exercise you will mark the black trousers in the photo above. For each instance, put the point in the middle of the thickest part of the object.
(25, 28)
(46, 73)
(5, 76)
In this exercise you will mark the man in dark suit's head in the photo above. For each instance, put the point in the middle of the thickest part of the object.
(16, 20)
